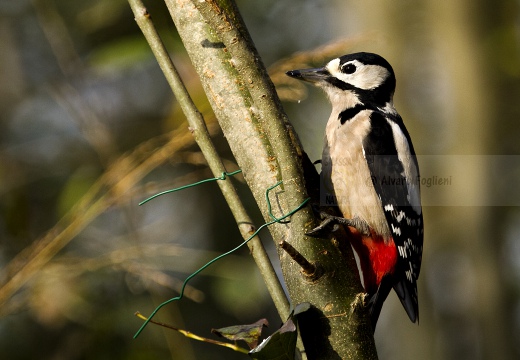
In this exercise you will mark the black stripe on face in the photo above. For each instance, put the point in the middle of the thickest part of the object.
(334, 81)
(378, 96)
(349, 113)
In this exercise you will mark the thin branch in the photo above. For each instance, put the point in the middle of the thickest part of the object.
(310, 270)
(201, 135)
(193, 336)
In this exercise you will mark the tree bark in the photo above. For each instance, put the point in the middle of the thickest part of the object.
(267, 150)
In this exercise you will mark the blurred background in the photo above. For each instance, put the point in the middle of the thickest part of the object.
(89, 128)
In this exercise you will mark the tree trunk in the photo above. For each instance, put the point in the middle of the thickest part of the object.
(267, 150)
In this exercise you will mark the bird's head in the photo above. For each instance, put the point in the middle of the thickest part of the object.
(360, 78)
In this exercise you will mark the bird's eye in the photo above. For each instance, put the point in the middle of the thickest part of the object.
(349, 68)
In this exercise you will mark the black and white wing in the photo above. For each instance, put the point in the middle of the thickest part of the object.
(395, 176)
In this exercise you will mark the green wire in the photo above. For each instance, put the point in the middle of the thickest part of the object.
(269, 207)
(222, 177)
(275, 219)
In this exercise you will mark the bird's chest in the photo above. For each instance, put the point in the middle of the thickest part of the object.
(345, 172)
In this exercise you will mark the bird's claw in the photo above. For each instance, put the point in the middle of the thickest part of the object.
(330, 224)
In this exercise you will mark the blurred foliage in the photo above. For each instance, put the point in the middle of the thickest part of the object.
(88, 129)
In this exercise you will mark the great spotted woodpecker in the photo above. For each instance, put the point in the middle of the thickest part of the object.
(369, 169)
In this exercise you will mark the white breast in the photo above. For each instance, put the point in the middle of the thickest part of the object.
(344, 168)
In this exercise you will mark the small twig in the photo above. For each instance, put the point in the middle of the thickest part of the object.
(310, 270)
(193, 336)
(336, 315)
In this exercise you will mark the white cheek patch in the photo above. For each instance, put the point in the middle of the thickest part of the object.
(333, 67)
(366, 77)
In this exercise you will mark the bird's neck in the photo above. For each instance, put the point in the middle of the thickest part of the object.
(346, 104)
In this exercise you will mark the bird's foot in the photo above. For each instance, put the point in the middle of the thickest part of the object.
(330, 224)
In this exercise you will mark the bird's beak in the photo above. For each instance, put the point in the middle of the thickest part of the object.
(310, 75)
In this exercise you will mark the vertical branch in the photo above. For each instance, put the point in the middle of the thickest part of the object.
(266, 149)
(203, 139)
(226, 21)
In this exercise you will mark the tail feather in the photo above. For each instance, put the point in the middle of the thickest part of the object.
(375, 303)
(408, 299)
(404, 294)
